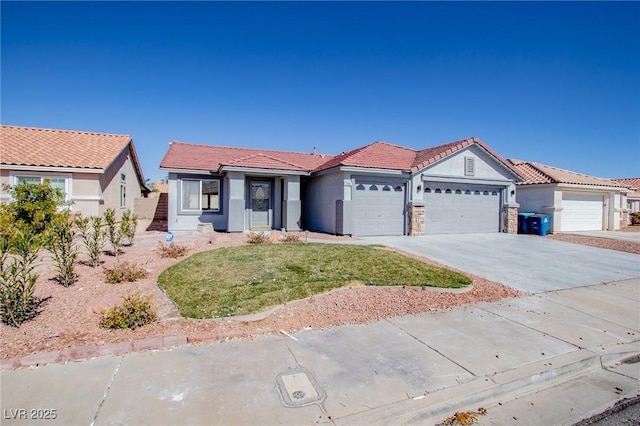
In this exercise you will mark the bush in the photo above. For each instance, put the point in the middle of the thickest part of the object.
(172, 250)
(257, 238)
(17, 278)
(135, 311)
(635, 218)
(113, 232)
(291, 238)
(92, 236)
(128, 224)
(34, 206)
(124, 272)
(59, 242)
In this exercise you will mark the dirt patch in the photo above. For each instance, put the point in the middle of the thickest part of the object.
(69, 316)
(606, 243)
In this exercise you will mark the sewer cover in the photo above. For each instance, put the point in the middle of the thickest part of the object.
(299, 387)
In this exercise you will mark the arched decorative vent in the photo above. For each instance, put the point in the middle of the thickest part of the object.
(360, 187)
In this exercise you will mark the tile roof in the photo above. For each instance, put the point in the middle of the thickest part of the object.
(211, 158)
(379, 155)
(535, 173)
(631, 183)
(29, 146)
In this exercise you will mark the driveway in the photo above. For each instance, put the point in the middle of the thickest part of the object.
(525, 262)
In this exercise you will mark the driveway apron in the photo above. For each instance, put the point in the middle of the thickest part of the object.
(526, 262)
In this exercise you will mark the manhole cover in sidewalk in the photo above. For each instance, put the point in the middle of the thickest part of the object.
(299, 387)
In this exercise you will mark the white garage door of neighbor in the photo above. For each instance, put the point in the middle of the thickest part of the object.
(581, 212)
(378, 209)
(461, 210)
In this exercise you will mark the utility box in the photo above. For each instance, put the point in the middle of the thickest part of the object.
(539, 224)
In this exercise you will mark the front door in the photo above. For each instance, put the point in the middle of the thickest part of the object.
(260, 197)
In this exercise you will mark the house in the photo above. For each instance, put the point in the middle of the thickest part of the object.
(95, 171)
(575, 201)
(377, 189)
(633, 197)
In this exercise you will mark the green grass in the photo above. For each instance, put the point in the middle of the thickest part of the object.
(248, 279)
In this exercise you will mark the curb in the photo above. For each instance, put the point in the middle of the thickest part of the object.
(93, 351)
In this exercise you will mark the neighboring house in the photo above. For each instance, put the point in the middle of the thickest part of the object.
(575, 201)
(378, 189)
(95, 171)
(633, 197)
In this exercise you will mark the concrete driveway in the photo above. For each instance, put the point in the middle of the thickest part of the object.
(526, 262)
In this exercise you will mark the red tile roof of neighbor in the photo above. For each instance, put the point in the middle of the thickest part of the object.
(535, 173)
(378, 155)
(207, 157)
(28, 146)
(631, 183)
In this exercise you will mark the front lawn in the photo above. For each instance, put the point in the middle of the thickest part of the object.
(248, 279)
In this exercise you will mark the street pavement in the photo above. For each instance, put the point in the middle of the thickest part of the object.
(552, 357)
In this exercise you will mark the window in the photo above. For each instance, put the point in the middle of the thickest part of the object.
(467, 192)
(201, 195)
(485, 193)
(386, 188)
(447, 191)
(469, 166)
(427, 190)
(54, 182)
(458, 191)
(438, 190)
(360, 187)
(123, 195)
(398, 188)
(373, 188)
(123, 177)
(476, 192)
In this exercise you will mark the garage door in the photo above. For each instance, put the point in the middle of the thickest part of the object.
(378, 209)
(581, 212)
(461, 210)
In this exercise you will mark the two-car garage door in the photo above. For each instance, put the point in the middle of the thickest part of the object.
(453, 209)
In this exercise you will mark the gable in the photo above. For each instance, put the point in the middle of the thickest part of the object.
(471, 162)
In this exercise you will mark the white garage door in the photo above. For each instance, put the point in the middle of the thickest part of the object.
(461, 210)
(378, 209)
(581, 212)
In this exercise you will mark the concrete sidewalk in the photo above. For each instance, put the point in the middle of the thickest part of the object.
(549, 358)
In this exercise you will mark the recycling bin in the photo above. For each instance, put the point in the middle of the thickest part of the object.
(539, 224)
(523, 223)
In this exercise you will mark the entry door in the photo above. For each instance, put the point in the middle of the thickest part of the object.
(260, 205)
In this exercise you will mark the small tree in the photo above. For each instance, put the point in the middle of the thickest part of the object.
(34, 206)
(113, 232)
(60, 242)
(17, 278)
(90, 229)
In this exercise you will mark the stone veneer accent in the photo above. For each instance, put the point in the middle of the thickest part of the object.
(511, 220)
(416, 220)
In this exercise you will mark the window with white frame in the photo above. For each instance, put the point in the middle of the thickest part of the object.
(200, 195)
(123, 190)
(55, 182)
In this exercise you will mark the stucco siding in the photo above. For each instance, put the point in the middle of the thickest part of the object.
(179, 220)
(485, 166)
(110, 184)
(320, 202)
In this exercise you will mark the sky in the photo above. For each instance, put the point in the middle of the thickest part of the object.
(552, 82)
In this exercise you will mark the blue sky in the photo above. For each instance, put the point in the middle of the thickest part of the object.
(556, 83)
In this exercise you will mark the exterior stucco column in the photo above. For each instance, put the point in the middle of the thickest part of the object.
(292, 205)
(236, 221)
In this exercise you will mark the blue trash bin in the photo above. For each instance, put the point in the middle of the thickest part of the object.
(539, 224)
(523, 223)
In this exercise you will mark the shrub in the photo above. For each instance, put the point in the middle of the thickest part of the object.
(124, 272)
(172, 250)
(128, 224)
(135, 311)
(34, 206)
(257, 238)
(17, 278)
(92, 236)
(59, 242)
(635, 218)
(291, 238)
(113, 232)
